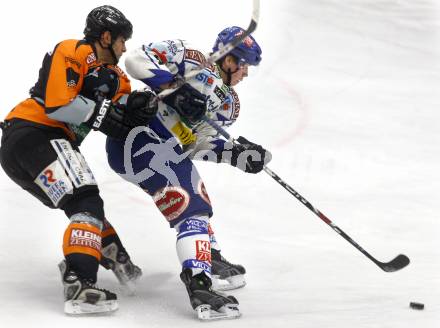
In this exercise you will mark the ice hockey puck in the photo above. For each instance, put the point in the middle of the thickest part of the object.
(416, 306)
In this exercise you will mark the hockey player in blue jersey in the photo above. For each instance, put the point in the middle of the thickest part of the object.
(158, 158)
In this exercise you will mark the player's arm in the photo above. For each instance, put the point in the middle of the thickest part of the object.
(158, 65)
(65, 102)
(243, 154)
(153, 65)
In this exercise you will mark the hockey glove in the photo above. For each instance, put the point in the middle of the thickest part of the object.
(109, 119)
(140, 108)
(100, 83)
(248, 156)
(116, 120)
(188, 102)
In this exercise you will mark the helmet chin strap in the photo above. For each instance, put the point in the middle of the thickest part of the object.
(228, 72)
(112, 51)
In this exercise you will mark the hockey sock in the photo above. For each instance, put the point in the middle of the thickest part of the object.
(82, 245)
(193, 246)
(109, 236)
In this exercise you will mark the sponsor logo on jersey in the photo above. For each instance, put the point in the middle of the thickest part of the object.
(197, 265)
(203, 251)
(71, 83)
(172, 47)
(73, 61)
(172, 201)
(54, 182)
(85, 238)
(90, 58)
(183, 133)
(194, 225)
(205, 79)
(73, 163)
(220, 93)
(72, 77)
(211, 104)
(194, 55)
(161, 56)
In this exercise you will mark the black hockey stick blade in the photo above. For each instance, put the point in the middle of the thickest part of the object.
(396, 264)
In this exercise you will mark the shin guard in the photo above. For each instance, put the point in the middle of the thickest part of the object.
(193, 246)
(82, 245)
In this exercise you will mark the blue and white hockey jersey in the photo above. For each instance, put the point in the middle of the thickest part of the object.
(162, 63)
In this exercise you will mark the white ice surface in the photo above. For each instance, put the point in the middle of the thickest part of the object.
(347, 98)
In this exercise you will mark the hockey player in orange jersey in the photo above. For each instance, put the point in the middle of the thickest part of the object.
(80, 88)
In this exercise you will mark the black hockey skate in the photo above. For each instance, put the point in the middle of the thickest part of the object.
(81, 296)
(225, 275)
(208, 304)
(121, 265)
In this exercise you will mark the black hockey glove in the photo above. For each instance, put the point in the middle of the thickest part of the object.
(248, 156)
(100, 83)
(116, 120)
(109, 119)
(188, 102)
(140, 108)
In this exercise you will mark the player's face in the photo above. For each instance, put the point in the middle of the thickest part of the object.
(119, 46)
(241, 71)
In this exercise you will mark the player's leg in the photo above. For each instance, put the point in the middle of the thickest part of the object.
(225, 275)
(47, 166)
(179, 193)
(115, 257)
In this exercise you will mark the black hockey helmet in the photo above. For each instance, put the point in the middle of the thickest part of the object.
(107, 18)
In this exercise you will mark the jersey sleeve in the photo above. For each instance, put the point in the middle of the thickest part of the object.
(159, 63)
(156, 63)
(61, 79)
(62, 74)
(68, 97)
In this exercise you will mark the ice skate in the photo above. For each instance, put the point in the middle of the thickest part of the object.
(208, 304)
(81, 296)
(119, 262)
(225, 275)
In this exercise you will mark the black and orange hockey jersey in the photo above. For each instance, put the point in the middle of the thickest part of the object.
(61, 79)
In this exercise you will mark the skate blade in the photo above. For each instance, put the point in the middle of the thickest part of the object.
(230, 283)
(229, 311)
(74, 307)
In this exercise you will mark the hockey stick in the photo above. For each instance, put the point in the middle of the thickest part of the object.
(222, 51)
(397, 263)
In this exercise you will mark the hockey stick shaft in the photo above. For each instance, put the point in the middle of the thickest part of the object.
(396, 264)
(223, 51)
